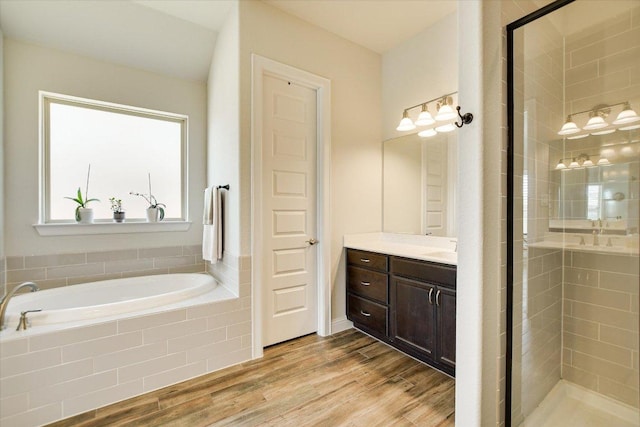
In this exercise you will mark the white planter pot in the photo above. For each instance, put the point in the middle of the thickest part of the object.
(152, 214)
(86, 215)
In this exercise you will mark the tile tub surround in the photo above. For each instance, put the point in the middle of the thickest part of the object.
(48, 377)
(55, 270)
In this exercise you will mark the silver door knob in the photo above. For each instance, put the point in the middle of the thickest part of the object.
(312, 241)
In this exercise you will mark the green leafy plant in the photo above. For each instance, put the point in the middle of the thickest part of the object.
(151, 199)
(82, 202)
(116, 205)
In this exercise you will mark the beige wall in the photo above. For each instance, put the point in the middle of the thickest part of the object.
(356, 158)
(30, 68)
(2, 230)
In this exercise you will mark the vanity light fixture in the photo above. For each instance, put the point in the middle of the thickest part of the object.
(596, 121)
(569, 127)
(581, 161)
(597, 124)
(574, 164)
(560, 165)
(627, 115)
(446, 113)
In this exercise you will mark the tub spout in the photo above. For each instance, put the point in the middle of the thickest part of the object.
(4, 302)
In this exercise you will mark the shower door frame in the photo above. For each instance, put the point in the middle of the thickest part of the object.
(551, 7)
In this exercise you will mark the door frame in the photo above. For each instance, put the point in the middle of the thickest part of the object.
(261, 66)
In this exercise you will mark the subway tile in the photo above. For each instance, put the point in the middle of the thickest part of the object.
(174, 261)
(620, 282)
(635, 17)
(596, 296)
(192, 250)
(578, 376)
(619, 392)
(70, 336)
(620, 337)
(166, 378)
(228, 359)
(106, 396)
(605, 262)
(75, 270)
(32, 274)
(159, 252)
(35, 417)
(15, 263)
(226, 319)
(206, 351)
(14, 347)
(195, 268)
(604, 368)
(584, 72)
(581, 276)
(604, 315)
(152, 366)
(238, 330)
(54, 260)
(117, 255)
(591, 35)
(128, 265)
(20, 364)
(246, 341)
(188, 342)
(608, 46)
(150, 272)
(606, 83)
(129, 356)
(213, 308)
(594, 348)
(174, 331)
(619, 61)
(43, 284)
(151, 321)
(581, 327)
(101, 346)
(14, 404)
(95, 278)
(57, 393)
(46, 377)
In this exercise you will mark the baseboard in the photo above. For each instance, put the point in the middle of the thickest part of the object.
(341, 324)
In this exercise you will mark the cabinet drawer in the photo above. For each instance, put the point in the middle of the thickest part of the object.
(367, 259)
(370, 284)
(422, 270)
(368, 314)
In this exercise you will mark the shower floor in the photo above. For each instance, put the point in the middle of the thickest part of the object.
(568, 405)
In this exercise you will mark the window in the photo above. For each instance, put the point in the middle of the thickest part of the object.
(123, 145)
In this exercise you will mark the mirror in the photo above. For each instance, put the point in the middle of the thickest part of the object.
(419, 184)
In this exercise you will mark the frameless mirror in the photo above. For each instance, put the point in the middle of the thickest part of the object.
(419, 184)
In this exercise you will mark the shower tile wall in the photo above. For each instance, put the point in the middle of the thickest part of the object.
(52, 271)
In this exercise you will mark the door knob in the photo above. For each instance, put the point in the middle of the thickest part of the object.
(312, 241)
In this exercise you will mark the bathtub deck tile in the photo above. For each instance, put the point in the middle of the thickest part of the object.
(206, 351)
(23, 363)
(238, 330)
(73, 335)
(226, 319)
(46, 377)
(14, 347)
(174, 331)
(152, 320)
(69, 389)
(129, 356)
(194, 340)
(34, 417)
(214, 308)
(163, 379)
(13, 405)
(100, 398)
(101, 346)
(151, 367)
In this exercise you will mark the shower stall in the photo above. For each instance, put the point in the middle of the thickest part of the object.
(573, 219)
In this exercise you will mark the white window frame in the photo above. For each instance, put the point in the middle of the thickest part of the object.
(46, 226)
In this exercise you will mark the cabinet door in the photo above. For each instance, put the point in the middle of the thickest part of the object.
(446, 308)
(413, 316)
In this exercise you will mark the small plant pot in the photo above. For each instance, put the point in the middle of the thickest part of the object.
(118, 217)
(152, 215)
(85, 215)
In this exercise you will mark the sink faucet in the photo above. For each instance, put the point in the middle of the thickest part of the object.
(4, 302)
(595, 238)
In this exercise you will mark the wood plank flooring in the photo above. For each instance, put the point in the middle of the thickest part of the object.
(348, 379)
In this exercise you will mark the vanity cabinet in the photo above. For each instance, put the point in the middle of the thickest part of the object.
(407, 303)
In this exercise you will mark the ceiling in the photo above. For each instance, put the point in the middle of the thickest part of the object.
(178, 36)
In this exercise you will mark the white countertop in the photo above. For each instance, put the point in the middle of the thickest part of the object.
(426, 248)
(620, 245)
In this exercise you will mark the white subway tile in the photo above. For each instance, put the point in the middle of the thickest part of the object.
(45, 377)
(195, 340)
(32, 274)
(70, 336)
(14, 347)
(158, 252)
(128, 265)
(101, 346)
(174, 330)
(213, 350)
(150, 321)
(14, 404)
(227, 319)
(228, 359)
(238, 330)
(16, 365)
(75, 270)
(183, 373)
(129, 356)
(246, 341)
(97, 399)
(59, 392)
(34, 417)
(54, 260)
(117, 255)
(174, 261)
(151, 367)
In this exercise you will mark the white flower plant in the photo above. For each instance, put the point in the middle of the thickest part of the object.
(151, 199)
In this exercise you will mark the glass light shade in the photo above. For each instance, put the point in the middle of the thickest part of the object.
(560, 165)
(582, 135)
(603, 161)
(626, 116)
(445, 113)
(587, 163)
(574, 164)
(595, 122)
(427, 133)
(446, 128)
(569, 128)
(406, 123)
(636, 126)
(604, 132)
(425, 118)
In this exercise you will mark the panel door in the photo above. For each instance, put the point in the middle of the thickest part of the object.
(446, 305)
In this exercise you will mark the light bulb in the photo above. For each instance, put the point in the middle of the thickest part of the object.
(445, 112)
(425, 118)
(587, 163)
(560, 165)
(574, 164)
(427, 133)
(627, 115)
(406, 123)
(595, 122)
(569, 127)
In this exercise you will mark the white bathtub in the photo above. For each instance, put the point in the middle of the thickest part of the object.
(105, 299)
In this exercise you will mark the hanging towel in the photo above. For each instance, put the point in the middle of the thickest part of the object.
(212, 225)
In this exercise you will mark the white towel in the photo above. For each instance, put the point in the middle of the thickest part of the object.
(212, 232)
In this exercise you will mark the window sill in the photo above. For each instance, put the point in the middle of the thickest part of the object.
(75, 229)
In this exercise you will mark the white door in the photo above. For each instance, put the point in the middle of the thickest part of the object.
(289, 215)
(435, 159)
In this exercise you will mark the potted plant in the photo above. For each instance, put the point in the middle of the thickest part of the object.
(155, 211)
(83, 215)
(116, 208)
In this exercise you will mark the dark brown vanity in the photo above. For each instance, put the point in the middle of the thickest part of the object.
(407, 303)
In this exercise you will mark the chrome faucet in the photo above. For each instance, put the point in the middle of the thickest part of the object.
(595, 238)
(4, 302)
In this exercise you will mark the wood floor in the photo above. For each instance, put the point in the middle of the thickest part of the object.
(348, 379)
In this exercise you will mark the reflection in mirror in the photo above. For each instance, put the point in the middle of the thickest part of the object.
(419, 184)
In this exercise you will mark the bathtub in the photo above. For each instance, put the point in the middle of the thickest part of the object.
(97, 343)
(107, 298)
